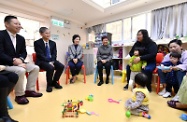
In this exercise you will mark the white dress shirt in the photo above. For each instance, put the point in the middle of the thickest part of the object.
(13, 38)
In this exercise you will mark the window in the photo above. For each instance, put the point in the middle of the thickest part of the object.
(116, 29)
(107, 3)
(91, 36)
(127, 29)
(138, 22)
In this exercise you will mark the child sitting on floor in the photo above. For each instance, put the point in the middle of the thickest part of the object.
(171, 77)
(139, 104)
(136, 67)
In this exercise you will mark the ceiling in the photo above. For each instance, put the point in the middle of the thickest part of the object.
(79, 11)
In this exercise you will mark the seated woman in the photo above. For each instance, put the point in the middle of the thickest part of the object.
(7, 82)
(104, 58)
(149, 48)
(174, 46)
(75, 57)
(180, 99)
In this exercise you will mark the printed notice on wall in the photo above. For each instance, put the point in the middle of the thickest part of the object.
(55, 37)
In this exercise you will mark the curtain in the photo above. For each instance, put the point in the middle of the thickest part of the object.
(169, 22)
(98, 28)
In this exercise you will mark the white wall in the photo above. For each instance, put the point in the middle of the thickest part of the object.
(65, 39)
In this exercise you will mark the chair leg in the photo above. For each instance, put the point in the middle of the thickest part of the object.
(9, 103)
(158, 85)
(37, 85)
(96, 74)
(67, 76)
(68, 73)
(84, 70)
(112, 74)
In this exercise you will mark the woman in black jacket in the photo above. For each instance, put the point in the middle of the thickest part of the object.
(149, 48)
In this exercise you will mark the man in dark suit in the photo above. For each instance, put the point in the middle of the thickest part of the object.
(12, 55)
(7, 83)
(46, 54)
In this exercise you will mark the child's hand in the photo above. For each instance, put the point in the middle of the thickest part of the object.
(143, 67)
(130, 64)
(174, 68)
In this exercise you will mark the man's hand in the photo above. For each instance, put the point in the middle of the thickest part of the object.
(75, 60)
(17, 61)
(22, 65)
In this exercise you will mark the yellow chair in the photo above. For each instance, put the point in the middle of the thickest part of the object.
(124, 75)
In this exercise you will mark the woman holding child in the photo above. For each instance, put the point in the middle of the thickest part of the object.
(175, 46)
(149, 48)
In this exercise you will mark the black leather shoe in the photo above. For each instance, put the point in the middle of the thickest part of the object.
(100, 83)
(49, 89)
(8, 119)
(126, 87)
(56, 85)
(107, 81)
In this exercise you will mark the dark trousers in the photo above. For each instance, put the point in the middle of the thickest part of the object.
(75, 68)
(170, 85)
(148, 71)
(107, 66)
(7, 83)
(180, 74)
(51, 77)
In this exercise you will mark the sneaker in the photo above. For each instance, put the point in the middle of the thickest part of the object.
(162, 92)
(126, 87)
(167, 94)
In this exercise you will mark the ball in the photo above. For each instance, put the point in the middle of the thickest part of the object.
(128, 114)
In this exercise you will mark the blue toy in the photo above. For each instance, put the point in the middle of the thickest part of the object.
(183, 117)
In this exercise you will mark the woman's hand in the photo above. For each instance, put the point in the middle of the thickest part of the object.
(103, 61)
(136, 60)
(175, 68)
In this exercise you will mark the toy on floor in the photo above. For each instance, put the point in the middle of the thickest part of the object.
(144, 114)
(92, 113)
(71, 108)
(90, 98)
(128, 114)
(113, 101)
(183, 117)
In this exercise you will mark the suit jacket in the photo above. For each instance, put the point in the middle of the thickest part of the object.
(39, 48)
(73, 52)
(7, 51)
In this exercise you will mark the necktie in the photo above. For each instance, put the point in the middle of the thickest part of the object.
(47, 51)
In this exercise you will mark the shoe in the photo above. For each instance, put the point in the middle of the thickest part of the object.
(32, 94)
(126, 87)
(49, 89)
(167, 94)
(175, 98)
(22, 100)
(100, 83)
(7, 119)
(71, 81)
(107, 81)
(56, 85)
(162, 92)
(149, 88)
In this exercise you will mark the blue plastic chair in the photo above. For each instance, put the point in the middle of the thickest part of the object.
(9, 103)
(111, 73)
